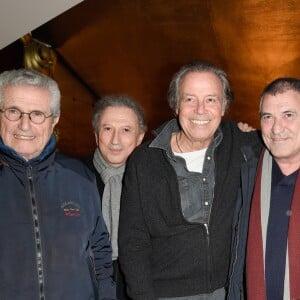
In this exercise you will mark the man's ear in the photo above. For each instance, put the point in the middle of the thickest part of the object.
(96, 137)
(140, 138)
(55, 120)
(224, 106)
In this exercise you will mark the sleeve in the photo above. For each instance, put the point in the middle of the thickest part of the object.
(102, 255)
(134, 238)
(252, 138)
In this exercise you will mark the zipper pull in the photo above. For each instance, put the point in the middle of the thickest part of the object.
(29, 172)
(206, 228)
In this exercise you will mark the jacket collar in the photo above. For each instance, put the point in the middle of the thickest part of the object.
(162, 140)
(9, 157)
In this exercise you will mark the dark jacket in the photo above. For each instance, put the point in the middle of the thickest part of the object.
(236, 289)
(162, 254)
(54, 243)
(100, 184)
(118, 275)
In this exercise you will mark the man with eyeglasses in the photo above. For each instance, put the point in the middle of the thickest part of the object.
(53, 240)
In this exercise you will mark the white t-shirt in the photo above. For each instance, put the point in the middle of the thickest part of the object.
(194, 160)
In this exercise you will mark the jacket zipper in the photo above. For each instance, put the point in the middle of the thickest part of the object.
(209, 259)
(37, 235)
(234, 250)
(206, 225)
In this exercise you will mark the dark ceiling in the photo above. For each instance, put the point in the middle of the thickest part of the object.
(134, 46)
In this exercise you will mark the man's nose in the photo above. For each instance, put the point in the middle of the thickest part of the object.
(277, 125)
(115, 137)
(24, 121)
(200, 106)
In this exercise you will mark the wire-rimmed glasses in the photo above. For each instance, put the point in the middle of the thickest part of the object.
(35, 116)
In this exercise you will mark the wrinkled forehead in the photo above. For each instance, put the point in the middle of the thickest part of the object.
(119, 115)
(201, 82)
(288, 99)
(27, 96)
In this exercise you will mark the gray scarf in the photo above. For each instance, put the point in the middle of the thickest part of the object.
(112, 178)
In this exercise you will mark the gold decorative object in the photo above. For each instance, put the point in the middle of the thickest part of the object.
(38, 55)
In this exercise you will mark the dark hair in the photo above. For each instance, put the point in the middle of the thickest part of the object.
(117, 101)
(197, 66)
(279, 86)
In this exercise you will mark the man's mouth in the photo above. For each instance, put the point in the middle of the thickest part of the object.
(200, 122)
(23, 137)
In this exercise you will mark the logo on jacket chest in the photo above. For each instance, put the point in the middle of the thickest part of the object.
(71, 209)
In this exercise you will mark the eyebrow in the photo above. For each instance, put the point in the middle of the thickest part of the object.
(263, 113)
(190, 94)
(123, 126)
(187, 94)
(289, 111)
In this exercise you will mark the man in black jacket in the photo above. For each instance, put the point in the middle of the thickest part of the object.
(119, 127)
(179, 194)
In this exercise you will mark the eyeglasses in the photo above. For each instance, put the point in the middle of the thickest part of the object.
(35, 116)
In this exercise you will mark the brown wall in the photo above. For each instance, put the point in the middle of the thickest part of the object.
(74, 130)
(75, 134)
(134, 48)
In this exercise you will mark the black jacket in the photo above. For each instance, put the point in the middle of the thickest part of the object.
(236, 289)
(100, 184)
(162, 254)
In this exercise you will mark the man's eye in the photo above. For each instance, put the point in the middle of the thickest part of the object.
(266, 117)
(13, 111)
(289, 115)
(188, 99)
(37, 113)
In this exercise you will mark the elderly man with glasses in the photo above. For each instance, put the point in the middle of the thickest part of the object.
(53, 240)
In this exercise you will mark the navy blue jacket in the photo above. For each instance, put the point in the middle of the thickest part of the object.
(236, 288)
(53, 241)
